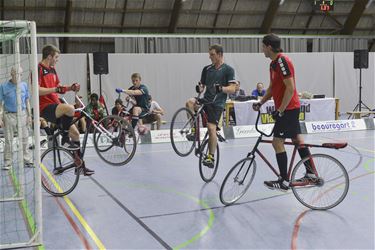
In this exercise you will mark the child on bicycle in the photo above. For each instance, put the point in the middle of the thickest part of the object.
(217, 79)
(51, 108)
(287, 107)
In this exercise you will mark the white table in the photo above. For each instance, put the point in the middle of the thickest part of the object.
(324, 109)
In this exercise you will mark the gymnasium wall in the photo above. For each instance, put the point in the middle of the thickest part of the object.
(171, 77)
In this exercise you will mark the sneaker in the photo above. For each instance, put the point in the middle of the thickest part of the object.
(6, 167)
(28, 165)
(280, 185)
(209, 161)
(87, 171)
(308, 178)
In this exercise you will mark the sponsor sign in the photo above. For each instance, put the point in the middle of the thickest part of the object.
(335, 126)
(163, 136)
(250, 131)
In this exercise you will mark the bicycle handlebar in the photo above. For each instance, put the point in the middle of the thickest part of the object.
(257, 129)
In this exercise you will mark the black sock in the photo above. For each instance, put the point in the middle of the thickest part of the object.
(282, 161)
(134, 121)
(305, 152)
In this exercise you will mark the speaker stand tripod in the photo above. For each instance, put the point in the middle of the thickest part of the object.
(101, 98)
(360, 104)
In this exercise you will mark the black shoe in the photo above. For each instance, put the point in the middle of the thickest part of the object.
(280, 185)
(29, 165)
(87, 171)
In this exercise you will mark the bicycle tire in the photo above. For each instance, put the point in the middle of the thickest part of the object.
(181, 125)
(333, 183)
(207, 174)
(244, 168)
(114, 140)
(55, 180)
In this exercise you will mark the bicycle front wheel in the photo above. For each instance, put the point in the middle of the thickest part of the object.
(238, 181)
(206, 173)
(328, 190)
(114, 140)
(59, 175)
(181, 126)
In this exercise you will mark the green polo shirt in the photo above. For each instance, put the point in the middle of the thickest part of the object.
(211, 76)
(142, 100)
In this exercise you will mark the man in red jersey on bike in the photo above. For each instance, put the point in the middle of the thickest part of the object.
(287, 108)
(50, 105)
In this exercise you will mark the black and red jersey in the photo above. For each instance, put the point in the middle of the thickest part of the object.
(47, 78)
(282, 68)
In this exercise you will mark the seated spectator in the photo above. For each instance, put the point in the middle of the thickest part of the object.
(118, 107)
(94, 109)
(234, 96)
(259, 91)
(155, 113)
(81, 123)
(239, 92)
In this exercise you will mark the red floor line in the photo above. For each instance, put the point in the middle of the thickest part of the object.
(80, 235)
(299, 219)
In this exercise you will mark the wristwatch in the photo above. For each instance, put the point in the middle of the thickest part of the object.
(280, 113)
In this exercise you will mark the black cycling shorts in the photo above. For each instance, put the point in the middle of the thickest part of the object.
(213, 113)
(49, 113)
(287, 126)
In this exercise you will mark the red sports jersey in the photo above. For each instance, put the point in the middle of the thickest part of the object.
(48, 79)
(282, 68)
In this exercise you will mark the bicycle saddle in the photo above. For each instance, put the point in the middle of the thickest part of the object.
(335, 145)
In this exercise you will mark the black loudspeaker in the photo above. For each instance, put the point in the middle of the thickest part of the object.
(100, 63)
(361, 59)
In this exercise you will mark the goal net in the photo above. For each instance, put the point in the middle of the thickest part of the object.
(20, 193)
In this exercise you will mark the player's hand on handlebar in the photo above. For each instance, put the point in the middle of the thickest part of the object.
(61, 89)
(256, 106)
(75, 87)
(119, 90)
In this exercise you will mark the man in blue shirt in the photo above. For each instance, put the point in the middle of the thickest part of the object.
(259, 91)
(8, 118)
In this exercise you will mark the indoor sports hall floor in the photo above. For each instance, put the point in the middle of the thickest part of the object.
(158, 201)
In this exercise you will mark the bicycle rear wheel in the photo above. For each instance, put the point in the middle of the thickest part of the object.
(59, 175)
(238, 181)
(206, 173)
(181, 126)
(114, 140)
(329, 190)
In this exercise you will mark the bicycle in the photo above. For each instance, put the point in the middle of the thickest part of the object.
(113, 139)
(182, 125)
(331, 182)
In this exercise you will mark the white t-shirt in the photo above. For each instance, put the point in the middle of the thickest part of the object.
(154, 105)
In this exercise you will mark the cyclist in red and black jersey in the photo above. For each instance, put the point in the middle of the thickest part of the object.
(50, 105)
(287, 107)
